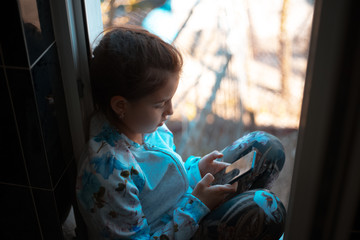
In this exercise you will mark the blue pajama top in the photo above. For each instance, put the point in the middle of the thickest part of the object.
(130, 191)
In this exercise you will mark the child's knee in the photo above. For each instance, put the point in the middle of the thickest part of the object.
(260, 215)
(267, 215)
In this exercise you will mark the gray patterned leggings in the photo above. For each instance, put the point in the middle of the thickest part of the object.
(253, 212)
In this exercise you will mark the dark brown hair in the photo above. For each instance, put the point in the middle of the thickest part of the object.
(130, 62)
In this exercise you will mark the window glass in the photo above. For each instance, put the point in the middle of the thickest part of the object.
(244, 68)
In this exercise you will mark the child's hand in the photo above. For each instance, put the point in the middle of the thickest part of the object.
(212, 196)
(208, 165)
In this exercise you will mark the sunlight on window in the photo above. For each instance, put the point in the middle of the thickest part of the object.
(244, 68)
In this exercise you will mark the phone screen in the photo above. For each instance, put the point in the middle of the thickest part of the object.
(236, 169)
(244, 163)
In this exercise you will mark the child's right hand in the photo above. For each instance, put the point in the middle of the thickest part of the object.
(212, 196)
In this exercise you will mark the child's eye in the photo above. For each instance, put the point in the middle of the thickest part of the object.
(160, 105)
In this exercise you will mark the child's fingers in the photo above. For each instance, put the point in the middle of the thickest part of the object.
(213, 155)
(218, 166)
(235, 184)
(231, 187)
(206, 180)
(227, 188)
(222, 165)
(219, 154)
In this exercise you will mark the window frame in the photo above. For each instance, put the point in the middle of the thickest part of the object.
(307, 218)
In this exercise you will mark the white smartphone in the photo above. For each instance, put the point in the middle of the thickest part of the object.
(238, 168)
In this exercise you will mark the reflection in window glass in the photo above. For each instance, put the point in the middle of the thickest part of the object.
(29, 13)
(245, 65)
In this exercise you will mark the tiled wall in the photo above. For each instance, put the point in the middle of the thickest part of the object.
(36, 155)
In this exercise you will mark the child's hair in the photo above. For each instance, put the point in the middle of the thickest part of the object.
(130, 62)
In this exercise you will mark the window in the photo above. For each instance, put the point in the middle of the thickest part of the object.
(245, 65)
(262, 66)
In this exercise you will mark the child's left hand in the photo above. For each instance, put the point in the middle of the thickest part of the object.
(208, 165)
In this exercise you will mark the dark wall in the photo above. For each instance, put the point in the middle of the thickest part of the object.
(36, 150)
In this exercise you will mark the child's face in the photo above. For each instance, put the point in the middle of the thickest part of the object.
(150, 112)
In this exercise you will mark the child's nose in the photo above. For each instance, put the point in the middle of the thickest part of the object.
(169, 109)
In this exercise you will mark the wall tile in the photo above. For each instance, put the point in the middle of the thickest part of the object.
(12, 165)
(11, 37)
(38, 29)
(48, 215)
(1, 54)
(36, 135)
(53, 114)
(65, 192)
(20, 221)
(22, 93)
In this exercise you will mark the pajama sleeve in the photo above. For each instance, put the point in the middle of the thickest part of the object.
(193, 172)
(191, 164)
(111, 201)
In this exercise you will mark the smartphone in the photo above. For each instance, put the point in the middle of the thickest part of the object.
(237, 169)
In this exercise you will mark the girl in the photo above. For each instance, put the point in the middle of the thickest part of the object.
(131, 183)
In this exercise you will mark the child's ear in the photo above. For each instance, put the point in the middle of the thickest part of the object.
(118, 105)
